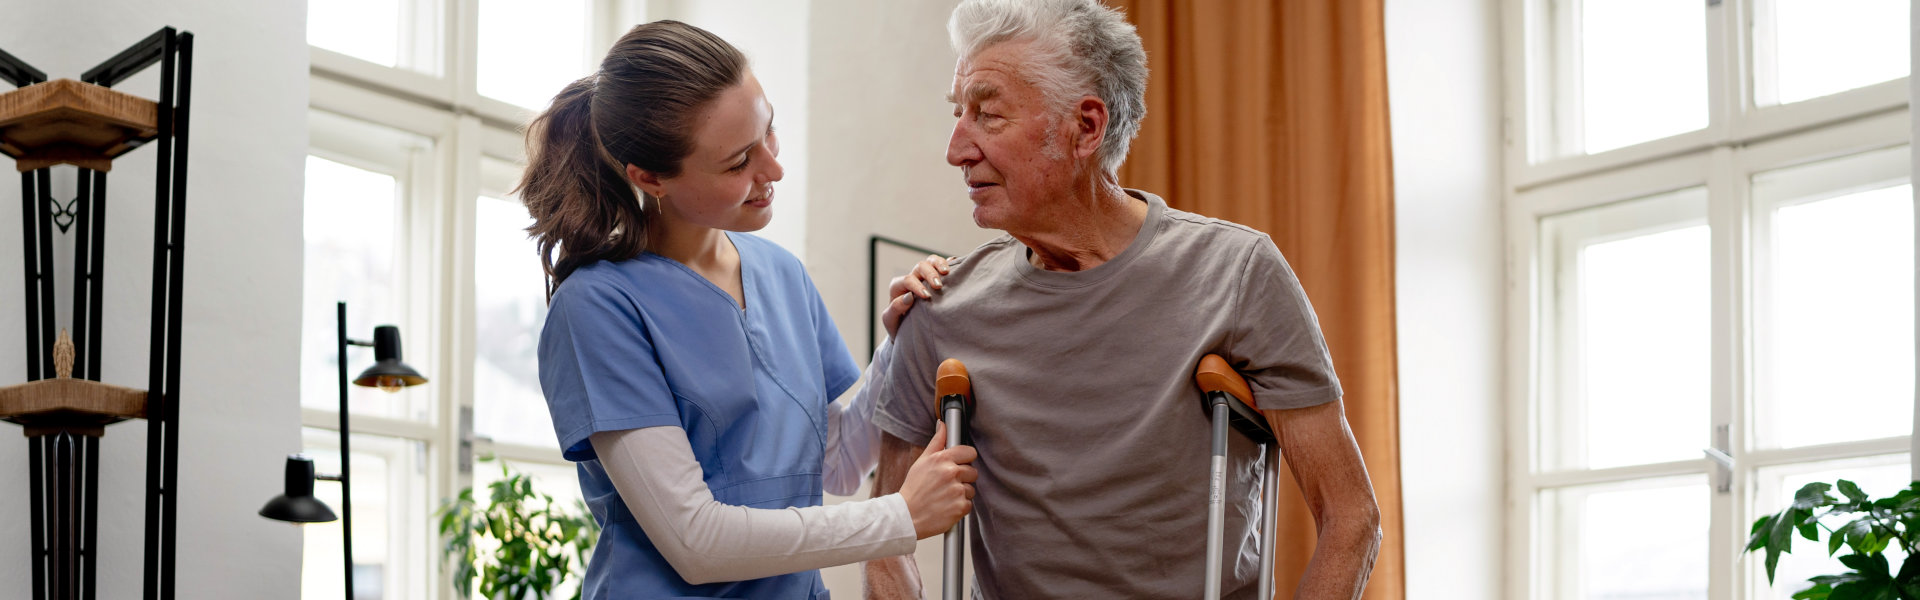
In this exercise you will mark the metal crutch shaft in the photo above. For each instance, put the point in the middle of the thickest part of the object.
(1228, 401)
(1269, 518)
(954, 391)
(1216, 495)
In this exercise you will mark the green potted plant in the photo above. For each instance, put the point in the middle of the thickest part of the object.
(1875, 526)
(520, 545)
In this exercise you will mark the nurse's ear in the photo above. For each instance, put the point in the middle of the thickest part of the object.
(647, 181)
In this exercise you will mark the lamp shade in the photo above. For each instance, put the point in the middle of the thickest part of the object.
(298, 505)
(387, 372)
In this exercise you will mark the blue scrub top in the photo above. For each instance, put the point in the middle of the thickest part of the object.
(648, 342)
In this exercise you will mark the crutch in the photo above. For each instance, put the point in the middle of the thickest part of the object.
(953, 392)
(1228, 401)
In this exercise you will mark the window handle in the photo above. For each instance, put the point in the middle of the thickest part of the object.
(1723, 471)
(1725, 460)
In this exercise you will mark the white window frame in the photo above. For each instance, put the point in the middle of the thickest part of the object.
(433, 95)
(1741, 140)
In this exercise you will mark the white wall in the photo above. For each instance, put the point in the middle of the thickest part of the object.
(241, 316)
(1443, 74)
(1914, 92)
(880, 73)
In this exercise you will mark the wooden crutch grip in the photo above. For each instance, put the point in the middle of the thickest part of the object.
(1215, 375)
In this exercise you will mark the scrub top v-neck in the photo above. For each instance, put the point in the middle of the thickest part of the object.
(648, 342)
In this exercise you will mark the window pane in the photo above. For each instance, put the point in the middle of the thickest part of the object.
(1817, 47)
(390, 526)
(529, 50)
(510, 305)
(1633, 322)
(1642, 71)
(350, 256)
(1836, 308)
(558, 481)
(1642, 540)
(1878, 476)
(365, 29)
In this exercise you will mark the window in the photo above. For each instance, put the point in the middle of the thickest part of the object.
(1712, 240)
(556, 481)
(1806, 48)
(1630, 296)
(1607, 560)
(1835, 239)
(530, 50)
(390, 557)
(415, 113)
(1622, 72)
(404, 34)
(510, 306)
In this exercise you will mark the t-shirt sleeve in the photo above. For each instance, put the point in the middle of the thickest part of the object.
(903, 402)
(837, 368)
(1275, 340)
(598, 368)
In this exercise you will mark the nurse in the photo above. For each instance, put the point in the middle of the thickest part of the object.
(691, 367)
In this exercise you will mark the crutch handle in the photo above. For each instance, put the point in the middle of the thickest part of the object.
(952, 380)
(1215, 375)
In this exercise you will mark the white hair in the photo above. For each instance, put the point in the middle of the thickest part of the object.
(1079, 48)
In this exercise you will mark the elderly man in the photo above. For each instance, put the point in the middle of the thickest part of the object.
(1081, 328)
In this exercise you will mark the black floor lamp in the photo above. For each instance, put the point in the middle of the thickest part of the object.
(298, 505)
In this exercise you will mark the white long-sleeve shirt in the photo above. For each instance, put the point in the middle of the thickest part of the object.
(707, 541)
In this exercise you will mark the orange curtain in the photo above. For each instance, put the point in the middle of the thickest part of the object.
(1273, 114)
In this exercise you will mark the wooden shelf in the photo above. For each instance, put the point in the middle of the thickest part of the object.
(69, 122)
(70, 404)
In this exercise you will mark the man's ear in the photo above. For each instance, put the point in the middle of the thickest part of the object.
(647, 181)
(1090, 126)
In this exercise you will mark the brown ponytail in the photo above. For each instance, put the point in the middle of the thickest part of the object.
(637, 109)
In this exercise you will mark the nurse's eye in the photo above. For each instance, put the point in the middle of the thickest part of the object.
(744, 161)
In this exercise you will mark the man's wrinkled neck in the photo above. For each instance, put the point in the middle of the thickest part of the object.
(1095, 223)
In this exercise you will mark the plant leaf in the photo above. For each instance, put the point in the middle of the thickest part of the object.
(1852, 491)
(1813, 495)
(1909, 571)
(1819, 591)
(1762, 530)
(1871, 567)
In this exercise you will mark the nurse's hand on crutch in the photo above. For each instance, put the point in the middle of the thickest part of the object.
(1229, 402)
(938, 487)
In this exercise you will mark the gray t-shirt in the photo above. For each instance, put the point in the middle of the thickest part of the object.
(1093, 444)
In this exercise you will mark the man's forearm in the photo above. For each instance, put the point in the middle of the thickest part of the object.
(1342, 559)
(894, 577)
(1326, 462)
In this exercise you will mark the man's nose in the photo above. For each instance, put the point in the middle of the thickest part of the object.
(961, 150)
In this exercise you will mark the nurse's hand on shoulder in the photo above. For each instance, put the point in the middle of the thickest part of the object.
(920, 282)
(939, 486)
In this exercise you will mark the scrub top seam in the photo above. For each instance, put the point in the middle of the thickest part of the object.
(713, 430)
